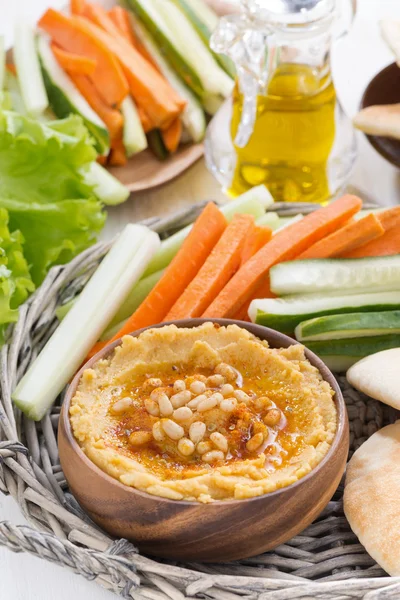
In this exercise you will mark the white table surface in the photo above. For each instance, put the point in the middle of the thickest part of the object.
(356, 59)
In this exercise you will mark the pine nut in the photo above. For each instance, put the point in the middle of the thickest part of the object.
(262, 403)
(219, 441)
(227, 389)
(197, 431)
(203, 447)
(241, 396)
(255, 442)
(228, 404)
(186, 447)
(180, 399)
(215, 381)
(197, 387)
(212, 456)
(207, 404)
(179, 385)
(226, 371)
(158, 433)
(139, 438)
(166, 408)
(157, 393)
(172, 429)
(152, 382)
(152, 407)
(182, 414)
(193, 404)
(272, 417)
(121, 406)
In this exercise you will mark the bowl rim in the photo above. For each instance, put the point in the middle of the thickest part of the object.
(373, 138)
(266, 333)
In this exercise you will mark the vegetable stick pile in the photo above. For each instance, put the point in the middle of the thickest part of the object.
(140, 77)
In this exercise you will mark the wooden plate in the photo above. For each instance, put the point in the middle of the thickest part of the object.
(384, 88)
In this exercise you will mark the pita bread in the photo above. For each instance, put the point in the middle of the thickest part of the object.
(378, 376)
(381, 120)
(390, 30)
(372, 497)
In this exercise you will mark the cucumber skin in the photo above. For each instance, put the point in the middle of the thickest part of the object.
(168, 50)
(351, 324)
(62, 107)
(354, 347)
(205, 35)
(156, 144)
(287, 324)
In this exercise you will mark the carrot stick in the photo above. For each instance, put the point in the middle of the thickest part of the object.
(194, 251)
(147, 86)
(98, 15)
(144, 119)
(73, 35)
(102, 160)
(263, 291)
(222, 263)
(73, 63)
(11, 68)
(255, 240)
(77, 7)
(172, 135)
(120, 17)
(385, 245)
(285, 245)
(111, 117)
(390, 218)
(346, 239)
(117, 156)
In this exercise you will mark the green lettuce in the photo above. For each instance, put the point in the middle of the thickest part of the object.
(15, 280)
(43, 188)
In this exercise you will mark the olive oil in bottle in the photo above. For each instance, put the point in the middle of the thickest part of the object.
(293, 136)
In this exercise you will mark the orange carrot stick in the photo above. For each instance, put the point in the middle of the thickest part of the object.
(222, 263)
(346, 239)
(386, 245)
(285, 245)
(194, 251)
(73, 63)
(390, 218)
(263, 291)
(73, 35)
(120, 17)
(172, 135)
(255, 240)
(111, 117)
(117, 156)
(77, 7)
(144, 119)
(147, 86)
(11, 68)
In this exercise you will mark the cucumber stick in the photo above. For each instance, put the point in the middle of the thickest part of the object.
(344, 276)
(351, 325)
(106, 187)
(182, 46)
(204, 21)
(134, 137)
(193, 117)
(74, 337)
(66, 99)
(284, 314)
(340, 355)
(28, 69)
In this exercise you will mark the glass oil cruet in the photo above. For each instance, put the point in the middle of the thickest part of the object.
(283, 126)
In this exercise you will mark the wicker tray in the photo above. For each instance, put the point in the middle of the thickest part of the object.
(325, 562)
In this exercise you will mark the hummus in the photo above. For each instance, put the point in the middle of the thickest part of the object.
(203, 414)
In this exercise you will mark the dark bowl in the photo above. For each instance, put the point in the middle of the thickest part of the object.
(384, 88)
(214, 532)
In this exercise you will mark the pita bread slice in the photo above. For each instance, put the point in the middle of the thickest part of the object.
(372, 497)
(378, 376)
(381, 120)
(390, 30)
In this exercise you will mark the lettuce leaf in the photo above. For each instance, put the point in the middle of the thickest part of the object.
(42, 185)
(15, 281)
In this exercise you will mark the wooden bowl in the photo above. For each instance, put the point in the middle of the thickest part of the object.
(384, 88)
(193, 531)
